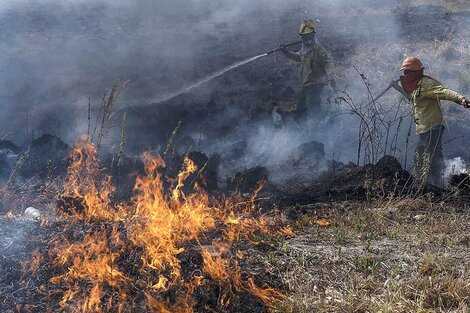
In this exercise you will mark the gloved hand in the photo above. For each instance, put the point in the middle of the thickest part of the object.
(395, 85)
(465, 103)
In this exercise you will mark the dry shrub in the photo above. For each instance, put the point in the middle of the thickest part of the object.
(428, 266)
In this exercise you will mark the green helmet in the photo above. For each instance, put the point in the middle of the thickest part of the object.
(307, 27)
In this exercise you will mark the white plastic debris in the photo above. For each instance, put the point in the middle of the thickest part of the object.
(419, 217)
(32, 213)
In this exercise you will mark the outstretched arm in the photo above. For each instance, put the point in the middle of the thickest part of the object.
(439, 92)
(291, 54)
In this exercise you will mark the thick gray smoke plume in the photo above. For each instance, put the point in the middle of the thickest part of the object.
(55, 55)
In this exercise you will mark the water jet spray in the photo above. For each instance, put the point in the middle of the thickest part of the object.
(217, 74)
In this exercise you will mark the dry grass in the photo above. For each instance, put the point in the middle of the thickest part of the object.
(409, 257)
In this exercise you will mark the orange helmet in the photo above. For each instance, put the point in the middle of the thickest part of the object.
(412, 64)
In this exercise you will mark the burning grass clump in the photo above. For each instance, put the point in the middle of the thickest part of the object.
(161, 251)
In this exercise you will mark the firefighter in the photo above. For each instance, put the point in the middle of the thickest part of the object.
(425, 94)
(317, 70)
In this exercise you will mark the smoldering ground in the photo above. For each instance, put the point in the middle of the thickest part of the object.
(56, 55)
(59, 54)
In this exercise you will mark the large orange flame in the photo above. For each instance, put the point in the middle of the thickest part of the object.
(160, 226)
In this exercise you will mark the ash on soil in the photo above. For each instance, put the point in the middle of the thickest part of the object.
(349, 183)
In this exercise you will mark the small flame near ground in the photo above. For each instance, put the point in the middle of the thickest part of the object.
(129, 256)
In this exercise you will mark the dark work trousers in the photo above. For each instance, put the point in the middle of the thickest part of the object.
(309, 104)
(429, 160)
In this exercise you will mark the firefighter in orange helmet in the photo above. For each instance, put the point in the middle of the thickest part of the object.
(425, 94)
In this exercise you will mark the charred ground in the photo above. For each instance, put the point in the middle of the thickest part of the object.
(361, 238)
(351, 220)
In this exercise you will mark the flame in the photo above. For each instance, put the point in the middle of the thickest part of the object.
(161, 227)
(229, 277)
(162, 283)
(232, 220)
(91, 260)
(189, 167)
(91, 256)
(266, 294)
(324, 222)
(220, 270)
(10, 215)
(81, 184)
(287, 230)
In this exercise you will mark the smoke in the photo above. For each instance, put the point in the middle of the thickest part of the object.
(58, 54)
(455, 166)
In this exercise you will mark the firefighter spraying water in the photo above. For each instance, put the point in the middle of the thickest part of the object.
(217, 74)
(317, 71)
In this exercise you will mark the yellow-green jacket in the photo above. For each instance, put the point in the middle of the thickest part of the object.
(426, 100)
(317, 65)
